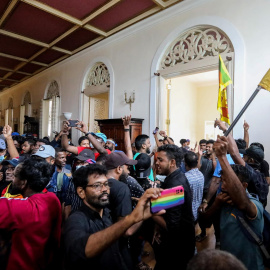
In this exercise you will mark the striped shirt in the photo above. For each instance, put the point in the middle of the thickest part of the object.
(196, 182)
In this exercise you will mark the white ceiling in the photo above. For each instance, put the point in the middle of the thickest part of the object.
(205, 78)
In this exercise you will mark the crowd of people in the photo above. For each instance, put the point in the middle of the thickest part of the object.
(64, 206)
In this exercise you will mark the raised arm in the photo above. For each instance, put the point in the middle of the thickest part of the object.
(7, 130)
(81, 126)
(158, 143)
(165, 137)
(64, 139)
(231, 182)
(101, 240)
(246, 133)
(232, 147)
(127, 142)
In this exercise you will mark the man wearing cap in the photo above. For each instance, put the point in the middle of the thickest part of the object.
(97, 140)
(7, 191)
(252, 158)
(46, 152)
(73, 201)
(120, 198)
(111, 144)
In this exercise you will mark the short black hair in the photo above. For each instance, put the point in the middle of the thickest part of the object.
(241, 172)
(241, 144)
(82, 138)
(80, 177)
(191, 159)
(202, 141)
(30, 141)
(42, 140)
(173, 152)
(258, 144)
(212, 259)
(59, 150)
(182, 141)
(101, 158)
(36, 172)
(140, 140)
(210, 141)
(18, 138)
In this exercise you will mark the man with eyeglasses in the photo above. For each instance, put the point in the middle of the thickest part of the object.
(90, 238)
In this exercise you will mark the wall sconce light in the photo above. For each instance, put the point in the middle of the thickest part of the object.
(130, 100)
(67, 115)
(35, 111)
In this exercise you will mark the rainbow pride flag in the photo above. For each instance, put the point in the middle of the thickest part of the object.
(169, 198)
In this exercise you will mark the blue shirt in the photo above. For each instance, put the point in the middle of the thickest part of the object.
(196, 182)
(63, 191)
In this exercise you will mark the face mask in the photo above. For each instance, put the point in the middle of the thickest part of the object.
(78, 167)
(2, 158)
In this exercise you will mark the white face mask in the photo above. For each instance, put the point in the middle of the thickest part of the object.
(78, 167)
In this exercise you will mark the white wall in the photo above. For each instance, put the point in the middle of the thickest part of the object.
(183, 111)
(131, 54)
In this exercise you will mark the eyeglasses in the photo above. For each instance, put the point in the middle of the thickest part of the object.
(99, 186)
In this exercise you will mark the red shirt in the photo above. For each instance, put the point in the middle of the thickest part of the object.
(80, 148)
(35, 223)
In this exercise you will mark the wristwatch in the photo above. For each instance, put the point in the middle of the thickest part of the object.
(205, 201)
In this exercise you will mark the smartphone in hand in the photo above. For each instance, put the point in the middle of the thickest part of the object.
(72, 123)
(169, 198)
(156, 130)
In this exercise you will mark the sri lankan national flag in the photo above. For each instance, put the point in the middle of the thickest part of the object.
(224, 81)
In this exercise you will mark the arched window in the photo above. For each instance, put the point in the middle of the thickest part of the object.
(95, 99)
(50, 110)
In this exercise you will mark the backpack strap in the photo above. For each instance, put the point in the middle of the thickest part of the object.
(254, 236)
(60, 181)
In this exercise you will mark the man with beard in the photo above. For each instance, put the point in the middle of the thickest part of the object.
(177, 229)
(111, 144)
(120, 198)
(34, 221)
(90, 238)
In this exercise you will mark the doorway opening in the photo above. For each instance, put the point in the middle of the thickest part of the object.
(191, 102)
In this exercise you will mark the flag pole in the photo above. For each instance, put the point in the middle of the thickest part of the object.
(226, 133)
(264, 84)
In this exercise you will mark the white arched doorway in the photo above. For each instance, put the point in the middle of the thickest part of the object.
(177, 58)
(96, 95)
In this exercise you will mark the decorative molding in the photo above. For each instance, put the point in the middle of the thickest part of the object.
(53, 90)
(98, 75)
(195, 44)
